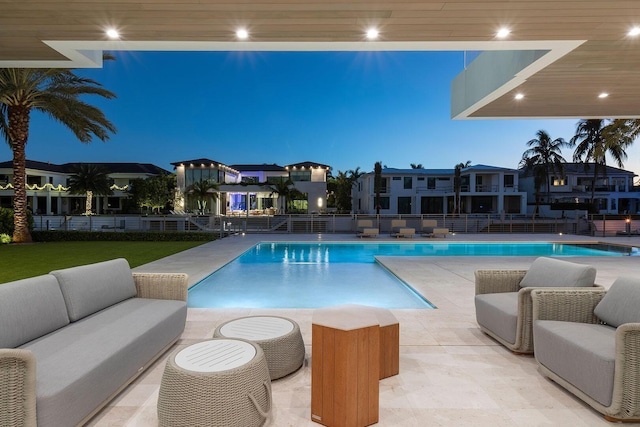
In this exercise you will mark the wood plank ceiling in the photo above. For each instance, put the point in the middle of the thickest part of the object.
(609, 60)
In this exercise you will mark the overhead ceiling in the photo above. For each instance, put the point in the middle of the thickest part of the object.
(590, 51)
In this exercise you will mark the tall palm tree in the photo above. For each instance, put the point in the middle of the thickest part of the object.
(59, 94)
(457, 183)
(203, 190)
(89, 179)
(377, 184)
(539, 178)
(546, 153)
(594, 140)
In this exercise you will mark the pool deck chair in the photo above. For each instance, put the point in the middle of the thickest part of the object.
(365, 228)
(504, 309)
(396, 225)
(427, 226)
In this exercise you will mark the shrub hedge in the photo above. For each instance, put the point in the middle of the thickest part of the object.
(129, 236)
(6, 221)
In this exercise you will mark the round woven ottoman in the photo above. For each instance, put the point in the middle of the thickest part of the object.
(279, 338)
(220, 382)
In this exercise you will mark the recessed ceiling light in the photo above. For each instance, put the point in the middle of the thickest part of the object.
(519, 96)
(635, 31)
(603, 95)
(503, 32)
(242, 34)
(112, 33)
(372, 33)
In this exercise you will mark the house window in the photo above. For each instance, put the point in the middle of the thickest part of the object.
(557, 182)
(408, 182)
(508, 181)
(297, 176)
(431, 183)
(421, 178)
(384, 202)
(34, 180)
(404, 205)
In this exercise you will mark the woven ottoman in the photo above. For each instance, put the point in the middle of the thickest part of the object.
(279, 338)
(220, 382)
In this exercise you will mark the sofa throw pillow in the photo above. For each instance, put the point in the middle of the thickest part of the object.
(551, 272)
(91, 288)
(621, 303)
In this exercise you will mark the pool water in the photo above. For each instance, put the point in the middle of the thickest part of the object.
(311, 275)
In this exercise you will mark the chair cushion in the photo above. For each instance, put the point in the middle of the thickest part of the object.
(621, 303)
(545, 272)
(29, 309)
(583, 354)
(81, 365)
(498, 313)
(90, 288)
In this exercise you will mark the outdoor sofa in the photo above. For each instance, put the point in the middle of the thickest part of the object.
(72, 339)
(503, 297)
(589, 343)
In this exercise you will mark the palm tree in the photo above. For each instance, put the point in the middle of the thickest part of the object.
(457, 183)
(285, 191)
(57, 93)
(594, 140)
(623, 128)
(417, 166)
(203, 190)
(89, 179)
(539, 178)
(544, 152)
(377, 184)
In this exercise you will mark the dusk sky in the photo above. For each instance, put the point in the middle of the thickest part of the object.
(343, 109)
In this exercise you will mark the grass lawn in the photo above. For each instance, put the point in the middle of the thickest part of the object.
(29, 260)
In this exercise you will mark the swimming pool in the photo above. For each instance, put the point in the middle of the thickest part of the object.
(311, 275)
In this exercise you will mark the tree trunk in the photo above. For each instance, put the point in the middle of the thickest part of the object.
(88, 203)
(18, 135)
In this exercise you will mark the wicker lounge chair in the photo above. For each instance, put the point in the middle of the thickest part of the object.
(589, 343)
(503, 298)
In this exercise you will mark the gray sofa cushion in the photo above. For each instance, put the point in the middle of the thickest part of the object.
(546, 272)
(81, 365)
(498, 313)
(581, 353)
(621, 303)
(90, 288)
(29, 309)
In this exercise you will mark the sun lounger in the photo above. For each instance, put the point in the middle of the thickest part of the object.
(396, 225)
(364, 227)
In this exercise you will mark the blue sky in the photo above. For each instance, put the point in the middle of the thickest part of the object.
(344, 109)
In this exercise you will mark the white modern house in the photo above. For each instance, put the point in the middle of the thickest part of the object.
(48, 190)
(249, 189)
(614, 191)
(483, 189)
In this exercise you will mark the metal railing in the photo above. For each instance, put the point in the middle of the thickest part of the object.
(328, 223)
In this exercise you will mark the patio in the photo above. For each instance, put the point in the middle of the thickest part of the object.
(450, 373)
